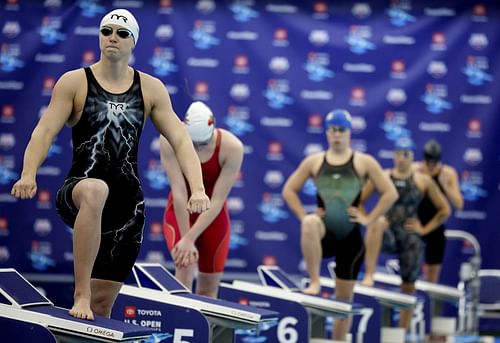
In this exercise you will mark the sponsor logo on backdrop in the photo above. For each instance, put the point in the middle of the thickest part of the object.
(359, 39)
(205, 6)
(49, 31)
(235, 205)
(50, 58)
(358, 124)
(440, 12)
(399, 16)
(394, 128)
(478, 99)
(241, 64)
(164, 32)
(315, 123)
(396, 96)
(276, 122)
(359, 145)
(479, 13)
(242, 35)
(358, 96)
(201, 90)
(8, 114)
(437, 69)
(9, 57)
(309, 188)
(90, 8)
(361, 10)
(88, 58)
(4, 227)
(237, 120)
(474, 128)
(316, 67)
(435, 98)
(240, 91)
(279, 8)
(478, 41)
(4, 254)
(155, 232)
(358, 67)
(438, 41)
(40, 255)
(162, 61)
(157, 179)
(7, 141)
(274, 151)
(279, 64)
(276, 94)
(470, 185)
(7, 176)
(42, 226)
(398, 40)
(11, 29)
(203, 35)
(165, 7)
(312, 148)
(320, 10)
(274, 178)
(475, 71)
(243, 11)
(237, 241)
(473, 156)
(47, 86)
(280, 37)
(271, 208)
(44, 199)
(434, 127)
(309, 94)
(398, 69)
(319, 37)
(276, 236)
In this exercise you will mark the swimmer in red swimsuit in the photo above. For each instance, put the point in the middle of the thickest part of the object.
(201, 238)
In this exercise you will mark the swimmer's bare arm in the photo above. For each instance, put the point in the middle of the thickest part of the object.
(384, 187)
(182, 254)
(51, 122)
(168, 124)
(451, 187)
(177, 184)
(296, 181)
(427, 186)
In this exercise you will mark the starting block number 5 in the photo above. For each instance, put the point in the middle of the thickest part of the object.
(179, 334)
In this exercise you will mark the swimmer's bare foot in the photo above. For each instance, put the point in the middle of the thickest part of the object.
(368, 281)
(313, 289)
(81, 309)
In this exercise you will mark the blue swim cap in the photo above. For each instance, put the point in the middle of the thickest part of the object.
(338, 117)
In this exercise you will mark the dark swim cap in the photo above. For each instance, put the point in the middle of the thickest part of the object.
(432, 151)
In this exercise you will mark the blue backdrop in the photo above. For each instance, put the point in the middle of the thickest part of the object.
(270, 70)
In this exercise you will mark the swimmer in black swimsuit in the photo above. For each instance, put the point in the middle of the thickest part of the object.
(399, 231)
(107, 105)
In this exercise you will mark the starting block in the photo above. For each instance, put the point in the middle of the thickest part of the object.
(23, 304)
(157, 284)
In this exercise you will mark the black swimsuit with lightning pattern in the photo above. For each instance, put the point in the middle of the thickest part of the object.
(105, 144)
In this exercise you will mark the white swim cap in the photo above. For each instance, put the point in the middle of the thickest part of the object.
(200, 122)
(124, 18)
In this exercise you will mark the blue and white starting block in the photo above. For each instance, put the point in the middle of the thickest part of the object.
(22, 303)
(155, 284)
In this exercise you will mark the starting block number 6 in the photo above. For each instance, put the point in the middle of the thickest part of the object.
(286, 330)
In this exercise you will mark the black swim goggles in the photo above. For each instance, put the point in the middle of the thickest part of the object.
(122, 33)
